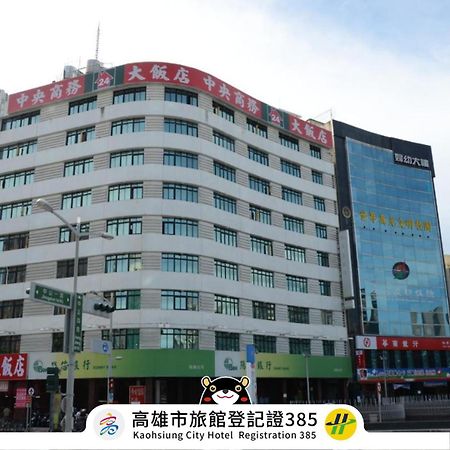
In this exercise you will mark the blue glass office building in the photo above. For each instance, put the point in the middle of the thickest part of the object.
(398, 309)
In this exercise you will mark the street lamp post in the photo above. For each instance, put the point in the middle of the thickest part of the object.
(383, 357)
(70, 314)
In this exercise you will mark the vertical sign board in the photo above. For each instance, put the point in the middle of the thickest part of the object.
(78, 336)
(251, 371)
(21, 398)
(136, 394)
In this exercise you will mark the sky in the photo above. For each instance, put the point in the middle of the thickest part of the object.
(382, 65)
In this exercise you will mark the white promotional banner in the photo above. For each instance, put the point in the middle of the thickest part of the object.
(217, 427)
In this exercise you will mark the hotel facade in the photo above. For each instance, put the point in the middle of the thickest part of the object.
(225, 224)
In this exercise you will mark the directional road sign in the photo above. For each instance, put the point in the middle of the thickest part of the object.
(46, 294)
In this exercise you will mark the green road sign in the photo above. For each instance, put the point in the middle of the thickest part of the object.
(78, 311)
(46, 294)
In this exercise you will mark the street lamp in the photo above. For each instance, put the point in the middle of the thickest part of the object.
(109, 390)
(70, 313)
(383, 358)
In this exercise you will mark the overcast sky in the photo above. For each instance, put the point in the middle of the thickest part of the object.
(383, 65)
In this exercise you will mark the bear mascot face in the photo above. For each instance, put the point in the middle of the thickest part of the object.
(225, 391)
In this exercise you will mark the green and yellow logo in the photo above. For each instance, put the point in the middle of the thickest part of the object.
(340, 424)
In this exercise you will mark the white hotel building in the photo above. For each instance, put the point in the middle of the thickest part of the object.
(224, 216)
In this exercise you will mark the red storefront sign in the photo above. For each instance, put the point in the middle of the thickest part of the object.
(401, 343)
(13, 366)
(136, 394)
(21, 398)
(183, 76)
(43, 95)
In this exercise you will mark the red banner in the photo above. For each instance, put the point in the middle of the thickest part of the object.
(61, 90)
(13, 366)
(136, 394)
(402, 343)
(21, 398)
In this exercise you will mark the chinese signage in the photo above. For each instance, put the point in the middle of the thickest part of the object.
(46, 294)
(136, 395)
(397, 222)
(271, 365)
(78, 311)
(134, 363)
(411, 161)
(22, 398)
(408, 375)
(401, 343)
(157, 72)
(13, 366)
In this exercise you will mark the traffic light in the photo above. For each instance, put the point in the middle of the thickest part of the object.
(104, 307)
(52, 379)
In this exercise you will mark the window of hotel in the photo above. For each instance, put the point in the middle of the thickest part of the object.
(223, 111)
(323, 259)
(180, 96)
(325, 287)
(179, 338)
(124, 226)
(321, 231)
(224, 171)
(290, 195)
(12, 274)
(78, 167)
(64, 268)
(317, 177)
(15, 179)
(123, 338)
(66, 235)
(294, 253)
(257, 128)
(81, 135)
(135, 125)
(298, 314)
(13, 210)
(260, 214)
(261, 245)
(265, 344)
(11, 309)
(57, 342)
(327, 317)
(123, 262)
(180, 159)
(263, 310)
(223, 141)
(10, 344)
(129, 95)
(258, 155)
(226, 305)
(129, 191)
(127, 158)
(294, 224)
(179, 300)
(319, 203)
(13, 241)
(328, 348)
(259, 184)
(227, 341)
(76, 199)
(225, 203)
(225, 236)
(291, 168)
(289, 142)
(299, 346)
(184, 192)
(297, 284)
(180, 127)
(179, 262)
(79, 106)
(128, 299)
(262, 277)
(20, 121)
(315, 151)
(177, 226)
(21, 149)
(227, 270)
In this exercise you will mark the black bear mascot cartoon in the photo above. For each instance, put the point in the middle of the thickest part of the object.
(225, 391)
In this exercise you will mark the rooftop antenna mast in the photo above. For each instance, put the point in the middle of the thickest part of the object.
(98, 41)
